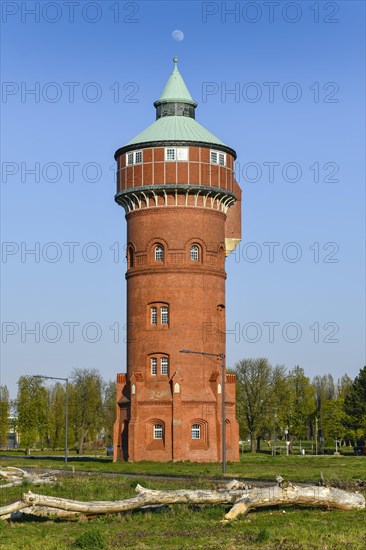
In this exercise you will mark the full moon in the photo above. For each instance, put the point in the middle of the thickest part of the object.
(178, 35)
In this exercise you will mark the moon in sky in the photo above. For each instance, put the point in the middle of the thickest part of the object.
(178, 35)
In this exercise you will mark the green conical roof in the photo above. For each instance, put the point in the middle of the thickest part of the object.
(171, 127)
(175, 89)
(175, 128)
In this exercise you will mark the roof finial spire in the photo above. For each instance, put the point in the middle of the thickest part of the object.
(175, 60)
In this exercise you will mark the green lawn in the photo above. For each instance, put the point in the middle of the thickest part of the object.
(182, 526)
(178, 526)
(254, 466)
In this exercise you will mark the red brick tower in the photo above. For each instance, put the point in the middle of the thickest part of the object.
(176, 183)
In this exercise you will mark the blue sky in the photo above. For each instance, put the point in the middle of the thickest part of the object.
(296, 285)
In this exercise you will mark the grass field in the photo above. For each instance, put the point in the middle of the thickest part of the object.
(254, 466)
(181, 526)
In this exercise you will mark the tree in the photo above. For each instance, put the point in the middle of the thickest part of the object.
(259, 394)
(300, 405)
(87, 404)
(57, 404)
(343, 385)
(109, 409)
(4, 415)
(324, 391)
(334, 418)
(32, 410)
(355, 404)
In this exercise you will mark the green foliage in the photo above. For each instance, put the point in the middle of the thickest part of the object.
(335, 419)
(263, 535)
(92, 539)
(109, 410)
(355, 404)
(32, 411)
(4, 415)
(56, 426)
(300, 404)
(87, 407)
(260, 389)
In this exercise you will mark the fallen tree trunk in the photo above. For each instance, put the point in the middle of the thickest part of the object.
(16, 476)
(244, 499)
(312, 495)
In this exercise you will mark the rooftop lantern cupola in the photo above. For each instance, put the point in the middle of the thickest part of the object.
(175, 99)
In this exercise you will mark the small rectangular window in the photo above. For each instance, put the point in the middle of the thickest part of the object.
(196, 431)
(182, 153)
(164, 315)
(216, 157)
(135, 157)
(170, 153)
(154, 366)
(164, 365)
(158, 431)
(213, 157)
(154, 316)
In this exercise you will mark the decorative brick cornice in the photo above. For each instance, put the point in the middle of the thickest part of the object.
(154, 403)
(158, 209)
(176, 268)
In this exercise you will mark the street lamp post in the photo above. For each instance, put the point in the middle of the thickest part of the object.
(223, 411)
(66, 406)
(287, 441)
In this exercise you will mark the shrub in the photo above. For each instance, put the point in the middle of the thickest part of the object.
(92, 539)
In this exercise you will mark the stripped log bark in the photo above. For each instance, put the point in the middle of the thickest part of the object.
(243, 500)
(312, 495)
(16, 476)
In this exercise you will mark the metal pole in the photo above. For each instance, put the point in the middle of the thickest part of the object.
(66, 420)
(223, 415)
(316, 435)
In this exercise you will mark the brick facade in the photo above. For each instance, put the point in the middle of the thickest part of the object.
(183, 218)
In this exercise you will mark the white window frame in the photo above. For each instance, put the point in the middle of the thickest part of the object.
(217, 157)
(154, 315)
(170, 153)
(196, 431)
(194, 253)
(159, 253)
(134, 157)
(154, 366)
(164, 365)
(158, 431)
(164, 315)
(180, 154)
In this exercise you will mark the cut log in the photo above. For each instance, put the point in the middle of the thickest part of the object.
(243, 500)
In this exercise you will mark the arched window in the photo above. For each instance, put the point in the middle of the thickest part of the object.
(159, 253)
(158, 431)
(196, 431)
(130, 254)
(194, 253)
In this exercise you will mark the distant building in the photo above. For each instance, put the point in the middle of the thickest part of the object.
(176, 183)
